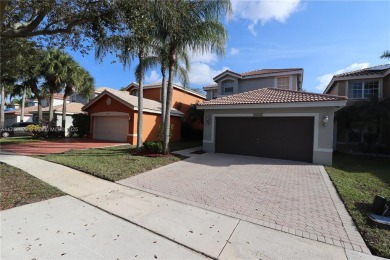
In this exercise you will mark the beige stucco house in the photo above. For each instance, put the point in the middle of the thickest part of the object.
(276, 119)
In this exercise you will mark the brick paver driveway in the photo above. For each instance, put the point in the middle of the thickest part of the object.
(55, 146)
(293, 197)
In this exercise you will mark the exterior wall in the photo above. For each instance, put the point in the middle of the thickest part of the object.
(78, 98)
(342, 88)
(386, 87)
(151, 122)
(151, 125)
(101, 107)
(323, 135)
(153, 94)
(334, 90)
(253, 84)
(235, 85)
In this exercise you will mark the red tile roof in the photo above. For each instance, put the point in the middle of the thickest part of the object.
(271, 95)
(377, 70)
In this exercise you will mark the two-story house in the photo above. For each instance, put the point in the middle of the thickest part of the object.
(360, 87)
(265, 113)
(229, 82)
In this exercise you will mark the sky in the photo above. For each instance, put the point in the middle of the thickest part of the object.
(322, 37)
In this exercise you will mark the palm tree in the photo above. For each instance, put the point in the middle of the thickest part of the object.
(136, 17)
(386, 55)
(77, 80)
(55, 70)
(192, 25)
(22, 90)
(160, 57)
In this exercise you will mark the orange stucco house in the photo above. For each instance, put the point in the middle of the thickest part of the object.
(114, 117)
(182, 98)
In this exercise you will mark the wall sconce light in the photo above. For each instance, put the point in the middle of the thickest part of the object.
(129, 118)
(325, 120)
(207, 120)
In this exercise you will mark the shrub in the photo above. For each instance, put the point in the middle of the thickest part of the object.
(191, 133)
(36, 131)
(81, 124)
(153, 147)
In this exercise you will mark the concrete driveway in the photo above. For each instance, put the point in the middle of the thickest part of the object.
(56, 146)
(297, 198)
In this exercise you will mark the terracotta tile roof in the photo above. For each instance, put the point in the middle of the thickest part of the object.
(271, 95)
(267, 71)
(377, 70)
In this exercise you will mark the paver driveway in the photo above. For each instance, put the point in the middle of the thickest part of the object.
(55, 146)
(290, 196)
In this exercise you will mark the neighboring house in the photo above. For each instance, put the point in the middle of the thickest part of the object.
(14, 116)
(71, 108)
(229, 82)
(76, 97)
(360, 85)
(182, 98)
(58, 100)
(271, 122)
(114, 116)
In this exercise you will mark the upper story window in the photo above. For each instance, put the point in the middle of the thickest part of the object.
(228, 87)
(283, 82)
(134, 93)
(363, 89)
(214, 94)
(74, 98)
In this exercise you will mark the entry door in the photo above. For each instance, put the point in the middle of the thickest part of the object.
(289, 138)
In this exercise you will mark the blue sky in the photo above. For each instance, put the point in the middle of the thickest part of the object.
(322, 37)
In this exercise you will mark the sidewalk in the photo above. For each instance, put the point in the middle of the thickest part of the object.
(207, 232)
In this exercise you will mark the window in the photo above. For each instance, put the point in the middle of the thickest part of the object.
(228, 87)
(134, 93)
(363, 89)
(283, 83)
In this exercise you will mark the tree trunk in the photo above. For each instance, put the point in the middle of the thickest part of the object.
(23, 101)
(169, 102)
(51, 111)
(140, 100)
(2, 120)
(40, 115)
(163, 97)
(63, 124)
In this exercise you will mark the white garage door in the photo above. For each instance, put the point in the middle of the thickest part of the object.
(113, 128)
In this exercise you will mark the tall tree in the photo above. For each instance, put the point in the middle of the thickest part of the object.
(134, 42)
(62, 22)
(56, 67)
(385, 55)
(192, 25)
(17, 55)
(77, 80)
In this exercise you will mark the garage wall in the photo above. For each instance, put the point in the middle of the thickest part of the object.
(115, 106)
(151, 124)
(323, 140)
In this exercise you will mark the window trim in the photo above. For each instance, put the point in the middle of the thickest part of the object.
(289, 82)
(349, 84)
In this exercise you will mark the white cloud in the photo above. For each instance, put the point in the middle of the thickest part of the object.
(234, 51)
(264, 10)
(153, 77)
(325, 79)
(208, 57)
(203, 74)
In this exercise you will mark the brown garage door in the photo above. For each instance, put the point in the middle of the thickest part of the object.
(289, 138)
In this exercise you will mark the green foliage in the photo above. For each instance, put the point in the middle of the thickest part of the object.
(189, 132)
(152, 147)
(36, 131)
(81, 124)
(195, 114)
(161, 132)
(385, 55)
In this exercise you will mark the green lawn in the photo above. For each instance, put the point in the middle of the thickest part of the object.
(114, 163)
(16, 140)
(19, 188)
(358, 179)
